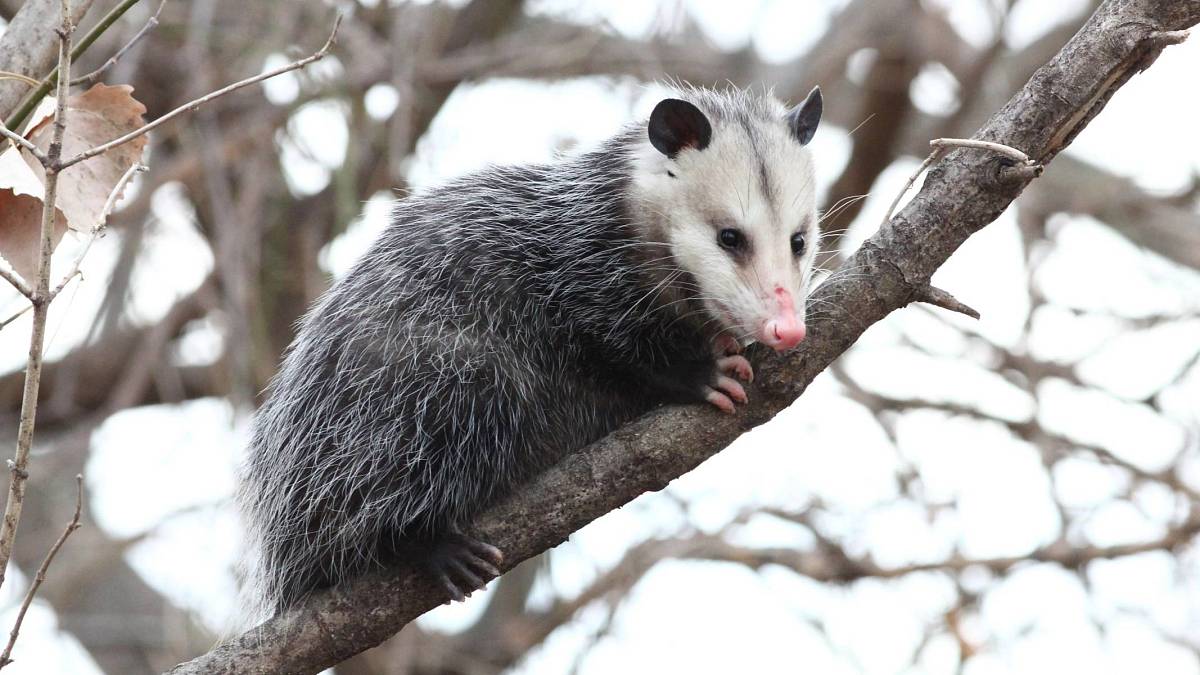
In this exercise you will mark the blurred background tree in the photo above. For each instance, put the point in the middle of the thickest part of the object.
(1014, 494)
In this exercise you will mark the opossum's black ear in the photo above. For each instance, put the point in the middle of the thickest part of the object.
(676, 125)
(803, 119)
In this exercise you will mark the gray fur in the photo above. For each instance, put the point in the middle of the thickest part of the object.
(499, 322)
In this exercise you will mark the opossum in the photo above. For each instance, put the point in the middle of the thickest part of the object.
(516, 314)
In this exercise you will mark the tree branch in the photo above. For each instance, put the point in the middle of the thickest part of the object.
(112, 60)
(40, 577)
(959, 197)
(30, 48)
(192, 105)
(30, 102)
(41, 306)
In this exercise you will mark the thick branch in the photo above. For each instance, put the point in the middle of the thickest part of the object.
(29, 46)
(959, 197)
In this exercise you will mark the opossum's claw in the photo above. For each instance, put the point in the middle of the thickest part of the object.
(463, 572)
(484, 552)
(464, 565)
(731, 388)
(455, 594)
(736, 366)
(725, 392)
(720, 400)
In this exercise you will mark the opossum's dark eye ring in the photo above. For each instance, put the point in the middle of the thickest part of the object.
(798, 244)
(731, 238)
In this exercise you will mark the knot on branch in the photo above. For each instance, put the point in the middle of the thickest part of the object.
(1010, 173)
(1152, 42)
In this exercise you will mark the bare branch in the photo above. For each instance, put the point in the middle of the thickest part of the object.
(30, 102)
(7, 75)
(40, 577)
(192, 105)
(820, 566)
(95, 74)
(24, 48)
(933, 157)
(650, 452)
(24, 143)
(17, 282)
(933, 295)
(98, 228)
(16, 315)
(999, 148)
(41, 306)
(942, 145)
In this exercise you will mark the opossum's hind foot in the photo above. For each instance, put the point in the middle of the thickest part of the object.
(463, 564)
(724, 391)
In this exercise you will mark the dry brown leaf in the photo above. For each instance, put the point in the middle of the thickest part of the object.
(21, 193)
(96, 116)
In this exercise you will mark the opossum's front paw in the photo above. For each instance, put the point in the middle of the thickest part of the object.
(723, 391)
(464, 564)
(724, 394)
(736, 366)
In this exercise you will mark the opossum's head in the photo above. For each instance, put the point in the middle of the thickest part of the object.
(726, 183)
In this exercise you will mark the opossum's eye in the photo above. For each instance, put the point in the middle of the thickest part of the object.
(731, 239)
(798, 244)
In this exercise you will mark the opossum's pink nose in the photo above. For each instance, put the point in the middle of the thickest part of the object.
(782, 335)
(783, 331)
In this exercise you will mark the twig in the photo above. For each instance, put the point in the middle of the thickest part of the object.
(933, 157)
(27, 106)
(8, 75)
(933, 295)
(14, 317)
(1000, 148)
(98, 227)
(24, 143)
(95, 74)
(17, 282)
(1026, 168)
(40, 577)
(41, 307)
(192, 105)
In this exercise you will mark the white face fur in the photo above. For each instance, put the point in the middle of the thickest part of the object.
(737, 207)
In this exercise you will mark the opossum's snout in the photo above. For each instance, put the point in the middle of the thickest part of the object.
(784, 330)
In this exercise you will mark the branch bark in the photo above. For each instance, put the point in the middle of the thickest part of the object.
(960, 196)
(40, 298)
(30, 47)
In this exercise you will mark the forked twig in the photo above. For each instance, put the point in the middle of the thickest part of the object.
(942, 145)
(98, 228)
(95, 74)
(1024, 168)
(192, 105)
(40, 577)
